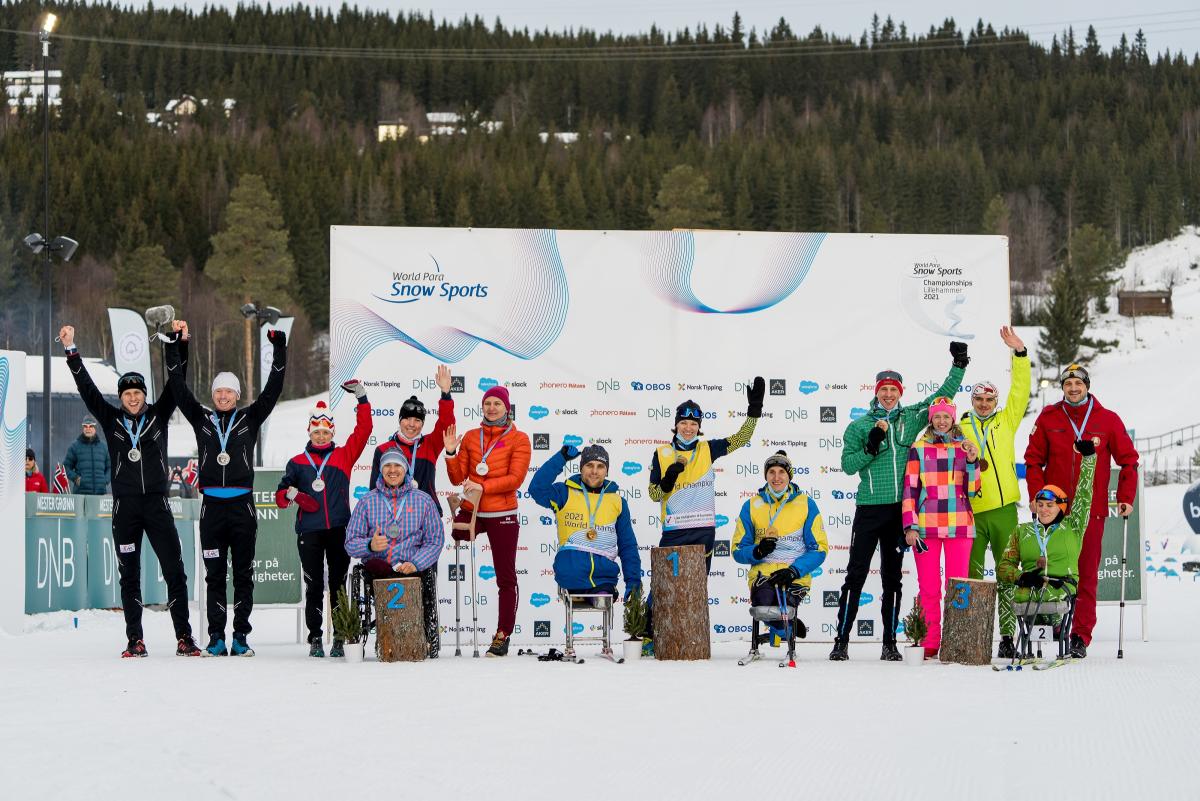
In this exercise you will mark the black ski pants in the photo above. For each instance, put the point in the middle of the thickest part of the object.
(228, 531)
(878, 526)
(134, 515)
(318, 548)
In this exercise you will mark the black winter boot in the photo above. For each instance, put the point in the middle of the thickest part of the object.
(1007, 649)
(889, 653)
(840, 652)
(1078, 647)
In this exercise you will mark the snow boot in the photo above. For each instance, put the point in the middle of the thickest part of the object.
(931, 653)
(840, 652)
(1078, 647)
(1007, 649)
(187, 647)
(499, 645)
(135, 649)
(315, 648)
(890, 654)
(216, 646)
(338, 649)
(240, 647)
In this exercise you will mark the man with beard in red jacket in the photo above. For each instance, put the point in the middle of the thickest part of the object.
(1051, 458)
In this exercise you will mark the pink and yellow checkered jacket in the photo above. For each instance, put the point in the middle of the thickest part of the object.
(938, 486)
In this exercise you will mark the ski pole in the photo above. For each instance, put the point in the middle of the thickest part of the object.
(454, 504)
(1124, 555)
(474, 572)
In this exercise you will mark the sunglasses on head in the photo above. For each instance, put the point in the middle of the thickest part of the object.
(1047, 495)
(691, 413)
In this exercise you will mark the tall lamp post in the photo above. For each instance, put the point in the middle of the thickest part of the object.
(48, 23)
(264, 315)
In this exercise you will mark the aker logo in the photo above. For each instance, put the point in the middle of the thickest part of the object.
(631, 468)
(778, 386)
(866, 628)
(413, 286)
(458, 384)
(829, 598)
(541, 628)
(865, 598)
(456, 572)
(546, 520)
(541, 442)
(721, 520)
(720, 547)
(539, 599)
(572, 440)
(809, 387)
(828, 414)
(538, 412)
(487, 383)
(857, 412)
(487, 572)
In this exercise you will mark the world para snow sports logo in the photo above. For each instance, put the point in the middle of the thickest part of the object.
(412, 286)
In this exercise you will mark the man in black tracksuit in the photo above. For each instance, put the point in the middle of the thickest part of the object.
(136, 433)
(225, 438)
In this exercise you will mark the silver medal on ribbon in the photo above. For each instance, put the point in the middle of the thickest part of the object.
(318, 484)
(223, 458)
(134, 455)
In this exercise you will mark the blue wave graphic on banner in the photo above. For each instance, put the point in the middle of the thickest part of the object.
(670, 258)
(12, 436)
(535, 316)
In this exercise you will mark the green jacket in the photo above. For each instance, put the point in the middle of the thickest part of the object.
(1063, 542)
(882, 475)
(1000, 486)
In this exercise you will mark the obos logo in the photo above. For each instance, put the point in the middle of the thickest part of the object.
(487, 383)
(572, 440)
(539, 599)
(541, 628)
(641, 386)
(631, 468)
(546, 520)
(413, 286)
(809, 387)
(487, 572)
(844, 496)
(721, 520)
(537, 412)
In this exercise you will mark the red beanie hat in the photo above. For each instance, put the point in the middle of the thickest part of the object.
(889, 378)
(501, 393)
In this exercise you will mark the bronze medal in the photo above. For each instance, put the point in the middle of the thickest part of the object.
(591, 533)
(772, 532)
(1041, 562)
(983, 464)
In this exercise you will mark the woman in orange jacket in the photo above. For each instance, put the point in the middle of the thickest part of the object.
(494, 459)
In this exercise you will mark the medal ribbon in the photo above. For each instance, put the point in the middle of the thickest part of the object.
(483, 459)
(223, 436)
(1080, 429)
(588, 502)
(324, 462)
(134, 437)
(397, 512)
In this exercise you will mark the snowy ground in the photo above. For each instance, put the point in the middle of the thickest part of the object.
(82, 723)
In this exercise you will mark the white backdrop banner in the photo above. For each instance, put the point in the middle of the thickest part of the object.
(131, 346)
(599, 335)
(12, 489)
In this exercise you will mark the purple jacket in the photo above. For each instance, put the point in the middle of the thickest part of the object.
(422, 533)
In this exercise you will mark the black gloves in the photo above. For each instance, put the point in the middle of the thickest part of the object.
(784, 576)
(1085, 447)
(1056, 582)
(958, 351)
(754, 397)
(874, 440)
(1031, 579)
(669, 476)
(277, 337)
(764, 547)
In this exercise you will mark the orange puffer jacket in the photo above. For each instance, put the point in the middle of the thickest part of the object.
(508, 465)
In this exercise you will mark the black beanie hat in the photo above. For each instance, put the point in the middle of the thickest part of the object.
(131, 380)
(594, 453)
(412, 408)
(779, 459)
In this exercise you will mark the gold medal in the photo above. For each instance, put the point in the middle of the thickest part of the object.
(772, 532)
(591, 533)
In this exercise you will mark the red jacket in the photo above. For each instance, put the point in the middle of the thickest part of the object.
(1050, 457)
(36, 483)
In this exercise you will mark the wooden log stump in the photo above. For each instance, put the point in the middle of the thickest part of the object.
(679, 594)
(400, 620)
(968, 619)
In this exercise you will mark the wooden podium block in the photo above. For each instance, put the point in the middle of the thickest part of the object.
(679, 594)
(968, 619)
(400, 620)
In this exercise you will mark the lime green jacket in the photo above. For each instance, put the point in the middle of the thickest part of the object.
(996, 440)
